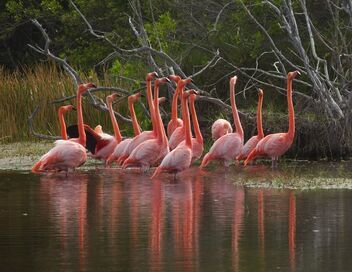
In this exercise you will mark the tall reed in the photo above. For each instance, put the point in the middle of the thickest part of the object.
(21, 91)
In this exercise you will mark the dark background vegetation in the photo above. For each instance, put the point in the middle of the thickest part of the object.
(190, 32)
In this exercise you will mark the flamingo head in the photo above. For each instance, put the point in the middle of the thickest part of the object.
(111, 97)
(161, 80)
(233, 79)
(186, 94)
(292, 75)
(161, 99)
(151, 76)
(82, 88)
(66, 108)
(260, 92)
(134, 97)
(192, 95)
(174, 78)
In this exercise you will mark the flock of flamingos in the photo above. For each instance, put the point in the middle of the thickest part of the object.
(173, 152)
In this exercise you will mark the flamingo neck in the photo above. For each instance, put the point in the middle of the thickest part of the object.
(62, 125)
(236, 118)
(115, 125)
(136, 128)
(174, 105)
(259, 118)
(151, 105)
(291, 111)
(196, 128)
(187, 122)
(81, 131)
(159, 123)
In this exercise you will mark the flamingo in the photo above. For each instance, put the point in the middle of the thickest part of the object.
(120, 149)
(107, 143)
(62, 110)
(275, 145)
(253, 141)
(179, 133)
(67, 154)
(151, 151)
(227, 147)
(174, 122)
(219, 128)
(145, 135)
(197, 142)
(180, 158)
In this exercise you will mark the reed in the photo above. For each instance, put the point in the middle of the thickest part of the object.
(21, 90)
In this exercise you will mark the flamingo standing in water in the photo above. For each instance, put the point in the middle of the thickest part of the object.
(253, 141)
(107, 144)
(145, 135)
(174, 122)
(62, 110)
(179, 133)
(227, 147)
(197, 142)
(275, 145)
(120, 149)
(180, 158)
(150, 151)
(67, 154)
(219, 128)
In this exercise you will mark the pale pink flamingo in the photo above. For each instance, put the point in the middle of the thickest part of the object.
(151, 151)
(275, 145)
(103, 151)
(219, 128)
(174, 122)
(145, 135)
(180, 158)
(227, 147)
(67, 154)
(62, 110)
(253, 141)
(120, 149)
(197, 141)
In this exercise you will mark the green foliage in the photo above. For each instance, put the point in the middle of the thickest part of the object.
(162, 33)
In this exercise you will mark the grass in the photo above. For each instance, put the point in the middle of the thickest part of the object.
(21, 91)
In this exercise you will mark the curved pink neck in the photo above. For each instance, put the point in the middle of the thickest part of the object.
(159, 123)
(62, 124)
(174, 105)
(81, 131)
(259, 117)
(186, 121)
(236, 118)
(136, 128)
(115, 125)
(196, 128)
(291, 112)
(151, 105)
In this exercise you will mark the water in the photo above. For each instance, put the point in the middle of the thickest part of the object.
(105, 220)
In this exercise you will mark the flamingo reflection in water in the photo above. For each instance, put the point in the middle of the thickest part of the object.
(68, 213)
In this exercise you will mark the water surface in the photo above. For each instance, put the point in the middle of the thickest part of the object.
(108, 220)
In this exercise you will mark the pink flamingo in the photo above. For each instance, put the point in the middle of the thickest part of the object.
(151, 151)
(67, 154)
(253, 141)
(145, 135)
(179, 133)
(197, 142)
(174, 122)
(227, 147)
(120, 149)
(275, 145)
(219, 128)
(61, 112)
(107, 144)
(180, 158)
